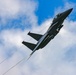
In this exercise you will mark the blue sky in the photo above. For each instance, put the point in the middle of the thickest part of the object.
(17, 18)
(46, 9)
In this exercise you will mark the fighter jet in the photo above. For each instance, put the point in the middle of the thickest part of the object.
(52, 31)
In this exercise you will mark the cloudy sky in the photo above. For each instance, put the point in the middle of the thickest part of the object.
(17, 18)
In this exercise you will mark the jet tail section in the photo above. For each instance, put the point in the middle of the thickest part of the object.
(29, 45)
(35, 36)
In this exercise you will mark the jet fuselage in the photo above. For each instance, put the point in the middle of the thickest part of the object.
(53, 29)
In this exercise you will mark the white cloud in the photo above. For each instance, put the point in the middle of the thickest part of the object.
(67, 5)
(13, 7)
(47, 61)
(10, 9)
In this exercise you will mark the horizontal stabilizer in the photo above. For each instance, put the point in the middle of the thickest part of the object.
(35, 36)
(29, 45)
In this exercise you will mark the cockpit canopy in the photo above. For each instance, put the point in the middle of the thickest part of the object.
(58, 15)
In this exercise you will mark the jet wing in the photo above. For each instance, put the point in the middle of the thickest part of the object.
(29, 45)
(35, 36)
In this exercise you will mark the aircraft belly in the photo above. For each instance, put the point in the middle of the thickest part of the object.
(47, 39)
(45, 42)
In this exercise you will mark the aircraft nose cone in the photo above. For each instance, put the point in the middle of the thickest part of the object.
(67, 12)
(70, 9)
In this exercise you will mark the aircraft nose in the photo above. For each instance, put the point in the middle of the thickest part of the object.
(67, 12)
(70, 9)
